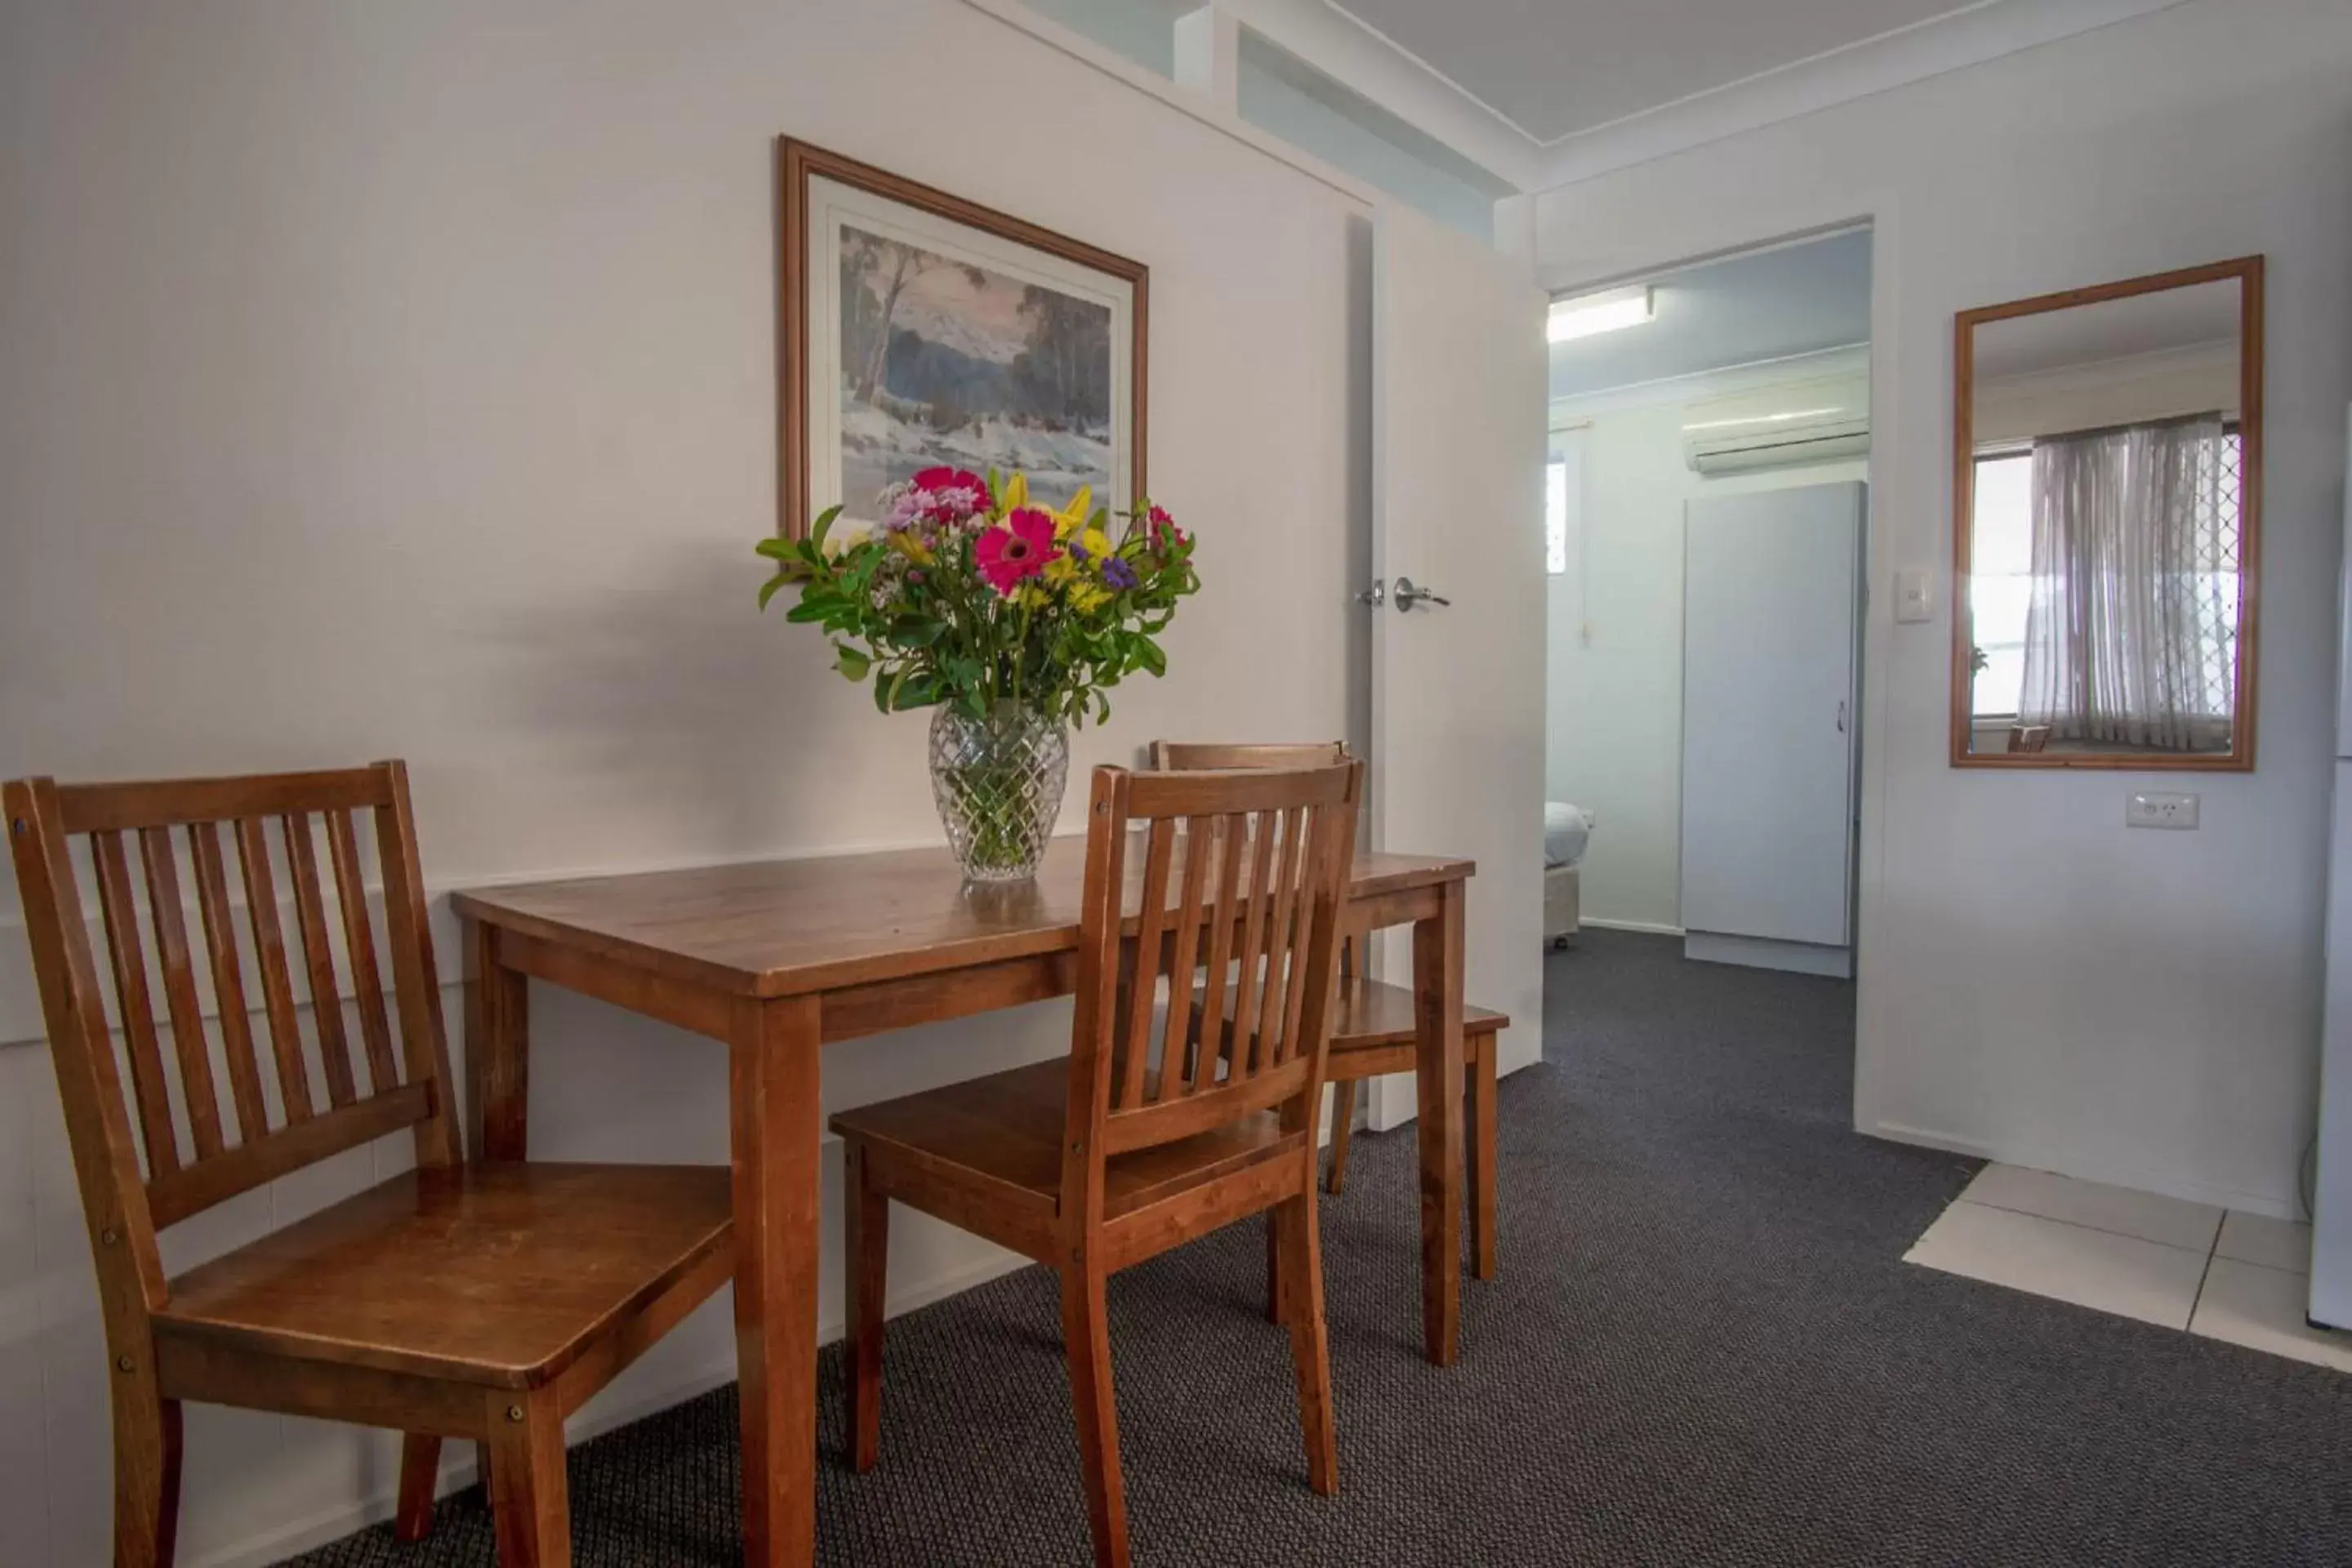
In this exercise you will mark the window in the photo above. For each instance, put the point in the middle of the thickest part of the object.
(1555, 517)
(1564, 504)
(2001, 578)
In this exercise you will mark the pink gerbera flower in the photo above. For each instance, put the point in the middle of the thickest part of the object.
(945, 495)
(1011, 554)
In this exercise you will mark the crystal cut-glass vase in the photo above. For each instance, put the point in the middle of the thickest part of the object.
(998, 782)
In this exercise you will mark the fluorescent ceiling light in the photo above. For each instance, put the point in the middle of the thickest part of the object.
(1590, 313)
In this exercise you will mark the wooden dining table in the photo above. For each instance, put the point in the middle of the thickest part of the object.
(778, 959)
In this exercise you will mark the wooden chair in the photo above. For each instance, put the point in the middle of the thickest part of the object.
(1131, 1145)
(482, 1301)
(1374, 1030)
(2028, 738)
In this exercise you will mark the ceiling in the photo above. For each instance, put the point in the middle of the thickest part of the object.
(2172, 319)
(1763, 305)
(1554, 68)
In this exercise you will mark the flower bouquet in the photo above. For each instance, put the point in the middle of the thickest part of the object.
(1011, 619)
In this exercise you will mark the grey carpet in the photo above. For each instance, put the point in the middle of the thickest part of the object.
(1704, 1349)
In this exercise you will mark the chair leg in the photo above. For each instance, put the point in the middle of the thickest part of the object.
(1343, 1126)
(1086, 1336)
(420, 1466)
(1480, 1161)
(1302, 1266)
(866, 1243)
(529, 1507)
(146, 1475)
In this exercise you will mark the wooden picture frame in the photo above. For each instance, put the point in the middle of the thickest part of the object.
(2247, 273)
(994, 252)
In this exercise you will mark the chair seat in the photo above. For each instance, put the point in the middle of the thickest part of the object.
(1369, 1015)
(1371, 1012)
(495, 1273)
(1006, 1130)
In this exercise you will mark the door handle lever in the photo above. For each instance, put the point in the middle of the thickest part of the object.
(1408, 595)
(1375, 596)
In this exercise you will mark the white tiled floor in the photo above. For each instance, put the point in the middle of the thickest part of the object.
(2228, 1276)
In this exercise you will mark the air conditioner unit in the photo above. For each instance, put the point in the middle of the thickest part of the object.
(1796, 423)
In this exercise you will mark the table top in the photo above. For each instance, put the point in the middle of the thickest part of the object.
(782, 927)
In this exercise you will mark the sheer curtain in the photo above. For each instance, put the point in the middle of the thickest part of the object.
(2126, 635)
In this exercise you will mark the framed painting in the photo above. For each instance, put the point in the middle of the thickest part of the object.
(920, 330)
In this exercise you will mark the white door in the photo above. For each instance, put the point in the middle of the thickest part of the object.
(1770, 595)
(1460, 383)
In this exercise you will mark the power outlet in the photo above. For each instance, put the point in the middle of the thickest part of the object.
(2160, 808)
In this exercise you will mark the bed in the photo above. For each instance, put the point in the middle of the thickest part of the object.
(1567, 830)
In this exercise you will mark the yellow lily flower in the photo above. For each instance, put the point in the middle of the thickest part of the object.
(1097, 545)
(913, 549)
(1074, 516)
(1087, 597)
(1060, 569)
(1016, 493)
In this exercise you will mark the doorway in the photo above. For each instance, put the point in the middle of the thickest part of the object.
(1706, 513)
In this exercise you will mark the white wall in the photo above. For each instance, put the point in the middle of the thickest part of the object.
(1614, 698)
(388, 380)
(2037, 982)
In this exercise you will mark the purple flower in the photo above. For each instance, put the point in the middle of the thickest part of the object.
(1117, 574)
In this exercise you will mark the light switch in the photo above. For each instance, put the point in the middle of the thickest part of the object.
(1912, 599)
(2160, 808)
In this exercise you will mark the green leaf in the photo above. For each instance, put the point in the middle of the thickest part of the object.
(850, 662)
(768, 589)
(824, 526)
(1148, 657)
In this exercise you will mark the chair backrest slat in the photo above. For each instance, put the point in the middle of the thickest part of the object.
(276, 986)
(1274, 1004)
(1224, 911)
(1264, 859)
(1245, 1055)
(165, 908)
(236, 1138)
(318, 957)
(149, 1085)
(359, 944)
(1190, 1053)
(228, 983)
(1143, 973)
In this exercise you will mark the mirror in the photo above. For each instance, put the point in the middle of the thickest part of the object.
(2106, 502)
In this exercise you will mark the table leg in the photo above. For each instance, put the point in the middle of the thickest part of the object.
(498, 1074)
(776, 1120)
(497, 1051)
(1437, 987)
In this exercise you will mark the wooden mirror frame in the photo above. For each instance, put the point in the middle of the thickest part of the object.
(2247, 271)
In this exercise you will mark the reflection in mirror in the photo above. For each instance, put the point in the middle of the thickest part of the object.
(2105, 492)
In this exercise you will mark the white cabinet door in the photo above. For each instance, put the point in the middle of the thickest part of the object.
(1771, 596)
(1460, 378)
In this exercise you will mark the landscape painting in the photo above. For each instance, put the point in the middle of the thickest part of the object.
(921, 330)
(945, 363)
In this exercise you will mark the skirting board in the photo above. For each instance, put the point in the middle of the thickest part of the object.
(2137, 1180)
(457, 1464)
(1762, 953)
(1651, 928)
